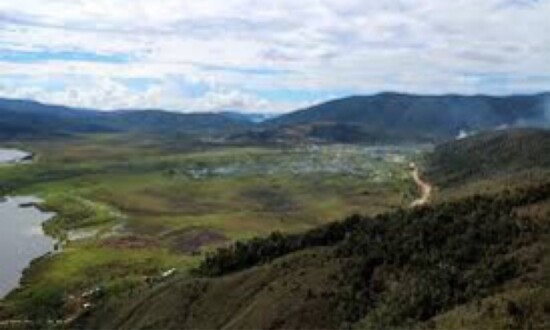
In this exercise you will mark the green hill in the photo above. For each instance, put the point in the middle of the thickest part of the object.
(390, 117)
(490, 155)
(28, 119)
(420, 268)
(479, 261)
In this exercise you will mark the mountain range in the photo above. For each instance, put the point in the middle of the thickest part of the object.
(28, 119)
(394, 117)
(381, 118)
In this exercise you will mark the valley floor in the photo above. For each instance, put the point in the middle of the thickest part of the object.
(164, 232)
(134, 210)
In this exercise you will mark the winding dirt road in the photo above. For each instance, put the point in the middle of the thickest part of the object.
(424, 187)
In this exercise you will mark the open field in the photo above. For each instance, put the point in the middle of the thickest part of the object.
(130, 207)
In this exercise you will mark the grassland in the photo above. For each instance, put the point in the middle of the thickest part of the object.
(130, 207)
(467, 264)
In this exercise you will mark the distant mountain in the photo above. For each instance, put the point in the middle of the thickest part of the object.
(28, 119)
(394, 117)
(251, 117)
(489, 155)
(164, 121)
(382, 118)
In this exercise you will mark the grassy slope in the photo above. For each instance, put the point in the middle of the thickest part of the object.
(284, 294)
(436, 267)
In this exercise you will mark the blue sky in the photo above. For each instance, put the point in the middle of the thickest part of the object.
(18, 56)
(267, 56)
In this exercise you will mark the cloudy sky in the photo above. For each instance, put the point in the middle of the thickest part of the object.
(267, 56)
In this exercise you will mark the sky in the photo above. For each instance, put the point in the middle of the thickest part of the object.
(267, 56)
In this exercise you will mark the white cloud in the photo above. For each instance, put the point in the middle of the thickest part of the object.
(460, 46)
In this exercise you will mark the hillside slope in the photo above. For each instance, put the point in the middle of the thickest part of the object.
(415, 268)
(28, 119)
(490, 155)
(403, 117)
(479, 261)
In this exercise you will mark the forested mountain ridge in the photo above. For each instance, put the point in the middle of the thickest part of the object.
(405, 117)
(489, 155)
(29, 119)
(381, 118)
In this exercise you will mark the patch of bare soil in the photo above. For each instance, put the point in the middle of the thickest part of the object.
(424, 187)
(129, 242)
(191, 241)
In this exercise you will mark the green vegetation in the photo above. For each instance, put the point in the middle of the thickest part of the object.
(74, 213)
(51, 283)
(180, 233)
(395, 117)
(130, 207)
(407, 269)
(490, 155)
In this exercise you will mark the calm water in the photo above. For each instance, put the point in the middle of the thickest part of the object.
(21, 235)
(21, 239)
(12, 155)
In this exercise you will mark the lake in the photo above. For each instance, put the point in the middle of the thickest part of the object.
(8, 156)
(21, 239)
(21, 235)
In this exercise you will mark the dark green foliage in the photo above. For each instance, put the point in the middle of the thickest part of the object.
(489, 155)
(243, 255)
(393, 116)
(47, 304)
(440, 257)
(408, 266)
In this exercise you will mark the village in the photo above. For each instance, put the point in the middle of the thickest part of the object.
(368, 162)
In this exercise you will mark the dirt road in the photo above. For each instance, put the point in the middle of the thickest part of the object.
(424, 187)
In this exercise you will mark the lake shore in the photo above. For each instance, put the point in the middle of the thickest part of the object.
(10, 156)
(22, 239)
